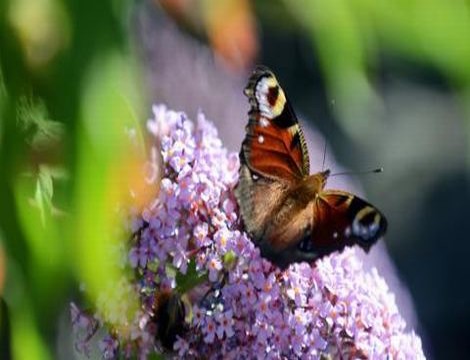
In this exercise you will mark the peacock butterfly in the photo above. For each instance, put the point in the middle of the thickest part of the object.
(287, 212)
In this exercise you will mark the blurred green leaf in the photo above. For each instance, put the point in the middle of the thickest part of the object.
(47, 52)
(336, 32)
(33, 119)
(351, 35)
(109, 107)
(3, 103)
(43, 193)
(34, 190)
(155, 356)
(27, 343)
(5, 330)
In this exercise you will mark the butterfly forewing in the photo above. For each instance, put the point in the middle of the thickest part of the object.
(274, 145)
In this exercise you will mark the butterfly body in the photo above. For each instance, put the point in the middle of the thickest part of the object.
(287, 212)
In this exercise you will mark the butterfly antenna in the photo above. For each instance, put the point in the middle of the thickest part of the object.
(324, 156)
(374, 171)
(327, 131)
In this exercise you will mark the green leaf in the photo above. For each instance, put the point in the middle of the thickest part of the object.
(191, 279)
(40, 131)
(43, 193)
(5, 330)
(155, 356)
(101, 179)
(45, 183)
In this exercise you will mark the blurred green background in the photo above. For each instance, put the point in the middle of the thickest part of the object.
(386, 82)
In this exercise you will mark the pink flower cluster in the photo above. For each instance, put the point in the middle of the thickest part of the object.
(249, 308)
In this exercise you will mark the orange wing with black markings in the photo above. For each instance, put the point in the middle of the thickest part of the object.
(342, 219)
(274, 145)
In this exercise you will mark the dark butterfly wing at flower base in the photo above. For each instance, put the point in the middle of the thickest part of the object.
(170, 318)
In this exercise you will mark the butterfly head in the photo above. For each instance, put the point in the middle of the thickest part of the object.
(323, 177)
(312, 185)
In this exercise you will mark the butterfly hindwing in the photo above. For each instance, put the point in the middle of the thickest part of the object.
(341, 219)
(255, 206)
(332, 221)
(274, 145)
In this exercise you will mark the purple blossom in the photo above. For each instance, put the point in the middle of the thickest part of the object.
(109, 347)
(246, 307)
(214, 265)
(181, 347)
(225, 324)
(84, 327)
(209, 330)
(180, 259)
